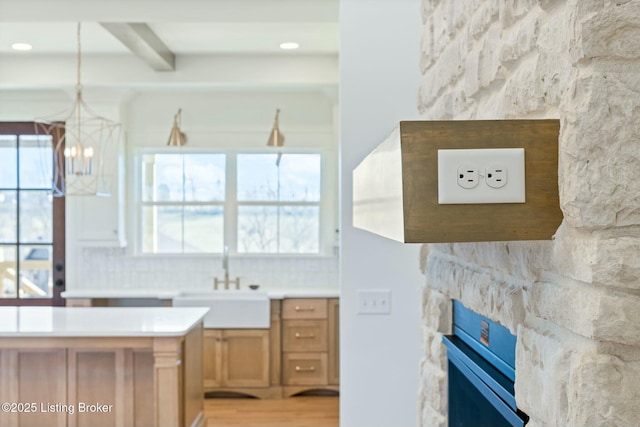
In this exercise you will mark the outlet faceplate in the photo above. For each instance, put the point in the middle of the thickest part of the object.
(501, 176)
(374, 301)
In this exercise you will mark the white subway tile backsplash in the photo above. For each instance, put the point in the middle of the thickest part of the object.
(108, 268)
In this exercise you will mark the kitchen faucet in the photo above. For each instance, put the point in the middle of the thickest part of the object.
(225, 266)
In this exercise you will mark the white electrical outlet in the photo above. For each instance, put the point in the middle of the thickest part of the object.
(468, 176)
(374, 301)
(487, 175)
(496, 176)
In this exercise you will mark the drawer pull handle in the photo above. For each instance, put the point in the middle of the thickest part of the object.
(298, 308)
(299, 335)
(309, 369)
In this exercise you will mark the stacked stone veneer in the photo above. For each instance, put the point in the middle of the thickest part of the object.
(574, 302)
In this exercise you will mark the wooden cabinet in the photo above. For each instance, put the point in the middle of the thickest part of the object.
(245, 361)
(135, 381)
(304, 308)
(237, 360)
(309, 345)
(304, 335)
(308, 369)
(334, 341)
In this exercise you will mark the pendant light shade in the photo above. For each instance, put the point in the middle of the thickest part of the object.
(177, 138)
(276, 139)
(86, 149)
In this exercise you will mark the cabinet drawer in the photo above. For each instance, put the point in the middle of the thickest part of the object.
(304, 308)
(305, 368)
(304, 335)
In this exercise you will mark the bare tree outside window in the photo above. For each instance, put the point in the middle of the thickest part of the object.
(279, 203)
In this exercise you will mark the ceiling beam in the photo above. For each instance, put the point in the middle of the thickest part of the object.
(144, 43)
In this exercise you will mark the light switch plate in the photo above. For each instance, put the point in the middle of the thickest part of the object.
(475, 176)
(374, 301)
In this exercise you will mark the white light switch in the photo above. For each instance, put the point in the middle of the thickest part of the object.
(374, 301)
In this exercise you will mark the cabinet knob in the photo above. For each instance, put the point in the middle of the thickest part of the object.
(298, 308)
(309, 369)
(59, 267)
(59, 282)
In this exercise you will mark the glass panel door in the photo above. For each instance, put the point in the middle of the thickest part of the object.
(31, 219)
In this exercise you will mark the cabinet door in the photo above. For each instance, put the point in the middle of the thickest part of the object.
(304, 308)
(304, 369)
(304, 335)
(33, 376)
(212, 359)
(245, 360)
(334, 341)
(100, 221)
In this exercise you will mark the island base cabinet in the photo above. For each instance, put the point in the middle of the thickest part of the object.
(32, 378)
(110, 382)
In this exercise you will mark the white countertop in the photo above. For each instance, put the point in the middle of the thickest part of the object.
(303, 293)
(97, 321)
(170, 294)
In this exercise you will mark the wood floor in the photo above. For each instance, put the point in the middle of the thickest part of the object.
(301, 411)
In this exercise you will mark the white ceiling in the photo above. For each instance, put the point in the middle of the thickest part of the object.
(201, 34)
(181, 37)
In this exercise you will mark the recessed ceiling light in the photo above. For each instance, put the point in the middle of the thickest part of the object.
(289, 45)
(21, 46)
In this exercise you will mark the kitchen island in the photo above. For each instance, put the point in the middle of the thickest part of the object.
(93, 367)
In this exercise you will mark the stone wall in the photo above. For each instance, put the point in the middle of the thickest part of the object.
(573, 302)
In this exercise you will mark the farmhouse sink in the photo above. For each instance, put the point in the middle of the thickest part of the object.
(229, 309)
(222, 294)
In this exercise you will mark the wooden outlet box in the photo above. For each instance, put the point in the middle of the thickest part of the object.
(395, 188)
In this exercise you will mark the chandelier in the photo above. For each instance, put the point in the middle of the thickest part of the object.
(86, 148)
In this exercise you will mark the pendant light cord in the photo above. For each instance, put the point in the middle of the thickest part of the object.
(78, 85)
(79, 101)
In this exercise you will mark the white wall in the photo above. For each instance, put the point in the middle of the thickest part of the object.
(225, 119)
(222, 119)
(379, 80)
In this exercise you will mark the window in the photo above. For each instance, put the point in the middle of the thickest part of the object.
(183, 203)
(31, 220)
(255, 203)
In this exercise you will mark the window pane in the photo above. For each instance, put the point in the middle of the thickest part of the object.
(204, 177)
(257, 229)
(283, 229)
(8, 272)
(36, 161)
(203, 229)
(183, 177)
(36, 214)
(8, 217)
(300, 177)
(296, 179)
(299, 229)
(8, 162)
(162, 227)
(36, 280)
(178, 229)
